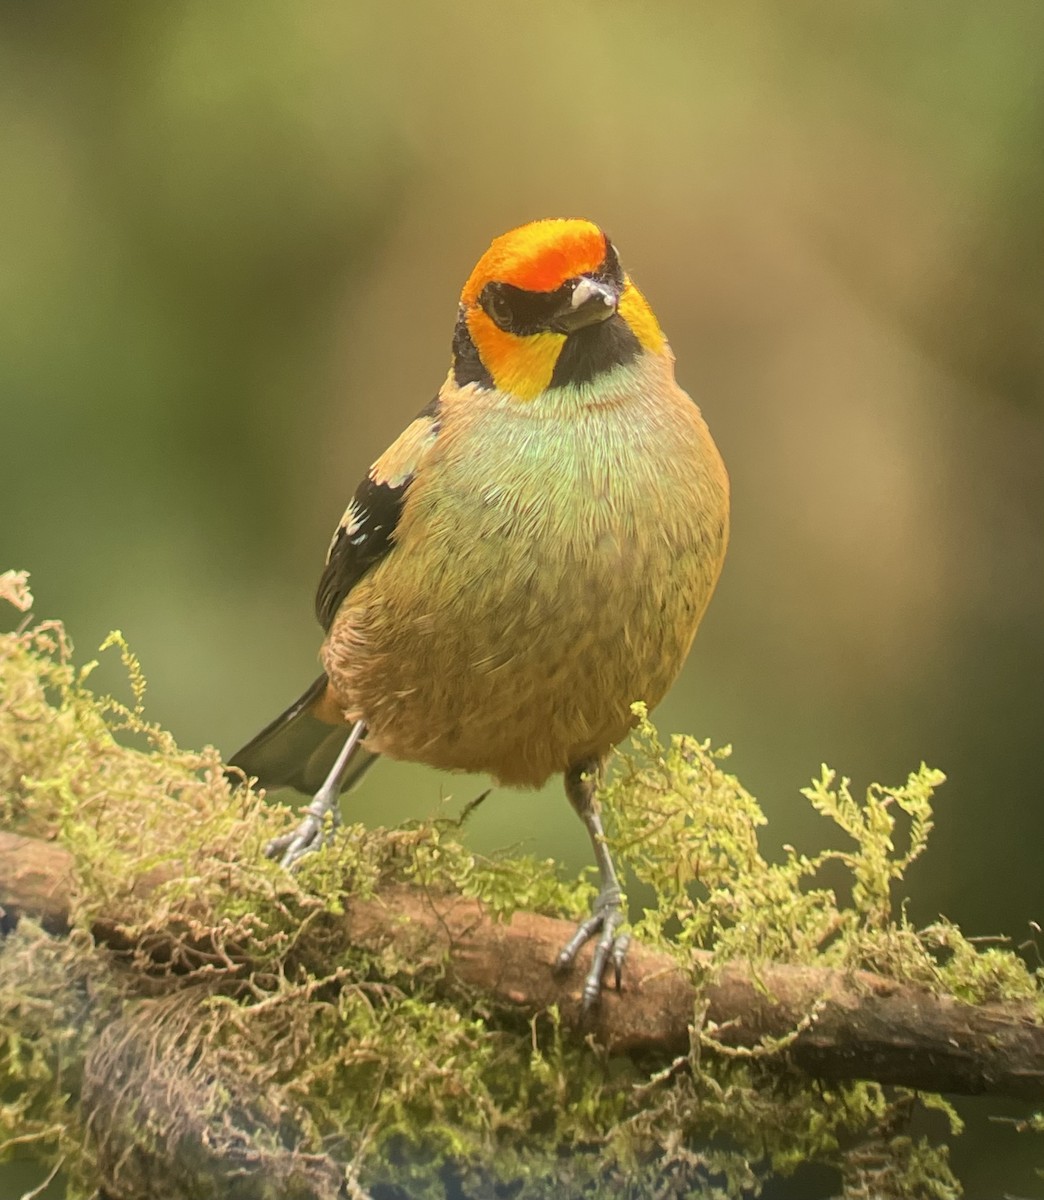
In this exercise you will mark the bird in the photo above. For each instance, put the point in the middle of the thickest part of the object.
(530, 557)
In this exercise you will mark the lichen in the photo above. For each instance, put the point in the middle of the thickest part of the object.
(362, 1056)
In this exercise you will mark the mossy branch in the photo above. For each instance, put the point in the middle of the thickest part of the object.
(834, 1024)
(190, 1020)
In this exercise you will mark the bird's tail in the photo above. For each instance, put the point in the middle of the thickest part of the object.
(299, 747)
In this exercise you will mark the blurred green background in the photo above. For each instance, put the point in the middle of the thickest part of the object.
(231, 239)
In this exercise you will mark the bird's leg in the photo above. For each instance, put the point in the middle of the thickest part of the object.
(607, 914)
(308, 836)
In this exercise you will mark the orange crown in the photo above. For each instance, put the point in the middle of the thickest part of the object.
(538, 257)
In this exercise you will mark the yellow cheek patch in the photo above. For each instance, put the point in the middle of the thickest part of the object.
(522, 366)
(637, 313)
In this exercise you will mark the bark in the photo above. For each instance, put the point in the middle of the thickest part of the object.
(838, 1025)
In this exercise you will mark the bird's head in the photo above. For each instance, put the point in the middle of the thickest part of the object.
(548, 305)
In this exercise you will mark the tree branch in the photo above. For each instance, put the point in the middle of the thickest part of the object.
(837, 1025)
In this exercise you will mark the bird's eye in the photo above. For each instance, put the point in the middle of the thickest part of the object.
(499, 307)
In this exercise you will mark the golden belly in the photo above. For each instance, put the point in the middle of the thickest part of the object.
(517, 682)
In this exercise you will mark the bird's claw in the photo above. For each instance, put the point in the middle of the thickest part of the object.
(307, 838)
(605, 920)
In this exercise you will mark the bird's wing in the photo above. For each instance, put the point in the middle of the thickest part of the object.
(367, 529)
(298, 748)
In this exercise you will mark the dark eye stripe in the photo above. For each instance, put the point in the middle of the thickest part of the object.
(523, 313)
(517, 311)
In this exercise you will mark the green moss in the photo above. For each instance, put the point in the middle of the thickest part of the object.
(364, 1056)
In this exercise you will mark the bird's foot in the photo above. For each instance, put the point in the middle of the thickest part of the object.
(606, 917)
(311, 835)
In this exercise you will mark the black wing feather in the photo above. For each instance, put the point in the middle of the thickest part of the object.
(359, 544)
(365, 535)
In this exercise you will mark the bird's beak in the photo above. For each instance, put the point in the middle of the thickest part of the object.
(591, 302)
